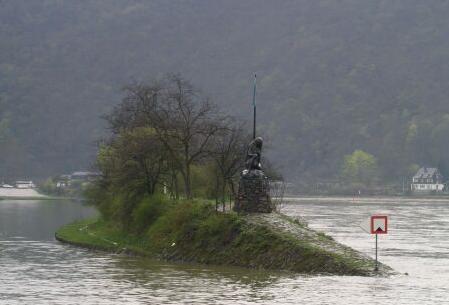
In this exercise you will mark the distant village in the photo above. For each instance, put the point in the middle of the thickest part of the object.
(427, 180)
(64, 181)
(68, 185)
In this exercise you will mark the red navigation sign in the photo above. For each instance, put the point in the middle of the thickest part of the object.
(379, 224)
(376, 224)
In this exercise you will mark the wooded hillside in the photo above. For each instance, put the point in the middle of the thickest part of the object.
(334, 76)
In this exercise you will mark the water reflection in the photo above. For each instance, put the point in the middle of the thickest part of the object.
(35, 269)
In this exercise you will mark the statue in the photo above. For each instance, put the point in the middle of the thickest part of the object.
(253, 154)
(254, 189)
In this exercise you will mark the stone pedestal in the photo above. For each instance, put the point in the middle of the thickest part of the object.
(254, 193)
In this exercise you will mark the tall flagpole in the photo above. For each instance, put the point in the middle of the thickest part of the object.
(254, 106)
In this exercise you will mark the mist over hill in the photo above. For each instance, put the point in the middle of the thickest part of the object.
(333, 76)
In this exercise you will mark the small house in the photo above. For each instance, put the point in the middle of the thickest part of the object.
(25, 184)
(427, 179)
(63, 181)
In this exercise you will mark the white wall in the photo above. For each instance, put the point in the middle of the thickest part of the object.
(427, 187)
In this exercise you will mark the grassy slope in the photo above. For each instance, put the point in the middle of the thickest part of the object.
(194, 233)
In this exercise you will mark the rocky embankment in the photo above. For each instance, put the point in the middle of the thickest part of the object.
(297, 228)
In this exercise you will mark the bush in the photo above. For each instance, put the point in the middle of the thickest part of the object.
(148, 210)
(218, 230)
(48, 187)
(193, 225)
(101, 199)
(179, 224)
(203, 181)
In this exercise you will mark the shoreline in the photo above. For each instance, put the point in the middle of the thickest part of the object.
(23, 194)
(363, 198)
(29, 194)
(44, 198)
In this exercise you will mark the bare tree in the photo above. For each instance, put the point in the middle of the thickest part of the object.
(229, 155)
(186, 123)
(137, 109)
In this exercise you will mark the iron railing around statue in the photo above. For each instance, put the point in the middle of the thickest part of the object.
(277, 190)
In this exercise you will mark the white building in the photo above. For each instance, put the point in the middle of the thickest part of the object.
(25, 185)
(427, 179)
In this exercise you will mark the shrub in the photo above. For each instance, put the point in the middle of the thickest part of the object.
(48, 187)
(179, 223)
(101, 199)
(218, 229)
(149, 209)
(196, 226)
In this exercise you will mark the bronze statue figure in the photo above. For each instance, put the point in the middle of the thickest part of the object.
(254, 188)
(253, 154)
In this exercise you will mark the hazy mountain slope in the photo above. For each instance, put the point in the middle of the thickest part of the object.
(334, 76)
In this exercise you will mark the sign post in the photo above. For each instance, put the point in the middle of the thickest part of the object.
(376, 267)
(377, 224)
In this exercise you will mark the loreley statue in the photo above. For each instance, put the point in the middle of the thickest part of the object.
(253, 155)
(254, 192)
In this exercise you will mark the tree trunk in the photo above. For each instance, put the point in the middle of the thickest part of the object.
(148, 180)
(175, 185)
(223, 190)
(232, 195)
(187, 183)
(217, 185)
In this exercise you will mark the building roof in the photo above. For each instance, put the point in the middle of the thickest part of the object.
(85, 174)
(426, 172)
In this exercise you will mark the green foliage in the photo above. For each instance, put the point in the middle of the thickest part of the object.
(193, 231)
(179, 223)
(203, 181)
(149, 209)
(49, 187)
(360, 167)
(194, 225)
(133, 162)
(110, 205)
(107, 236)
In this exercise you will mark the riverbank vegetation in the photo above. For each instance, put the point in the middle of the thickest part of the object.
(192, 231)
(167, 138)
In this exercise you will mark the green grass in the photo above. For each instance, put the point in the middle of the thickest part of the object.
(101, 235)
(194, 232)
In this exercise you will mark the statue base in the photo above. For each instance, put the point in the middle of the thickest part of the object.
(254, 193)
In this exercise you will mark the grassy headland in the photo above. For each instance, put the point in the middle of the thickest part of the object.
(182, 145)
(195, 232)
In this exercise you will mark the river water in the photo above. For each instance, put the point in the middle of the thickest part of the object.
(36, 269)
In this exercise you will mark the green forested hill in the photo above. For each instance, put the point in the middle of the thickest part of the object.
(334, 76)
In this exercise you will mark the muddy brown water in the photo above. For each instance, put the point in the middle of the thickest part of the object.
(36, 269)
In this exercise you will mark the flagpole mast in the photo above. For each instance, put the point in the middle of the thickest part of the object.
(254, 106)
